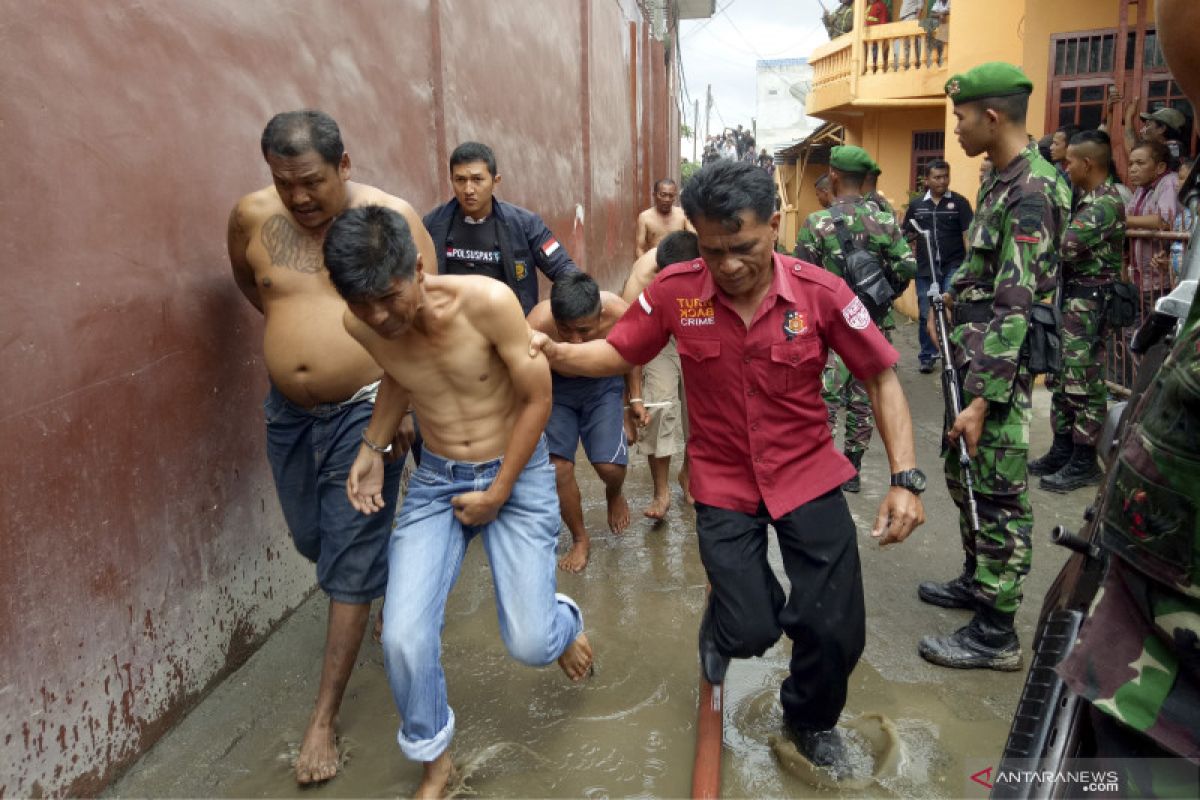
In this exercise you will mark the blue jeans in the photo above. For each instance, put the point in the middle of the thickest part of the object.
(425, 555)
(929, 348)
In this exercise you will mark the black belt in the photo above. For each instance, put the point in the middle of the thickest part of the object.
(1080, 292)
(979, 311)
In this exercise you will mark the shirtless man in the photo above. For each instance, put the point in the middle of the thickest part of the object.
(661, 218)
(586, 408)
(454, 347)
(322, 388)
(664, 420)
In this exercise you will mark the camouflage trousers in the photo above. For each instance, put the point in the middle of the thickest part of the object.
(1079, 398)
(840, 389)
(1002, 550)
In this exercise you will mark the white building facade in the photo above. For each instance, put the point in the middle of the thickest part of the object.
(783, 85)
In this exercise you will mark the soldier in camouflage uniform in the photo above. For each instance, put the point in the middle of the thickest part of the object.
(818, 243)
(1137, 659)
(1091, 261)
(1011, 265)
(840, 21)
(1138, 655)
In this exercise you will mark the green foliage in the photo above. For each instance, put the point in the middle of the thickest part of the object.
(687, 169)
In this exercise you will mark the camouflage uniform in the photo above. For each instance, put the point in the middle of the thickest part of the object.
(881, 204)
(839, 22)
(1011, 265)
(818, 243)
(1091, 256)
(1138, 654)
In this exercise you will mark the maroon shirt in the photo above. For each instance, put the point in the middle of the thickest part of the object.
(759, 429)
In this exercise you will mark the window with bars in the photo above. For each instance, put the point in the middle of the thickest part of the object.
(1092, 53)
(927, 146)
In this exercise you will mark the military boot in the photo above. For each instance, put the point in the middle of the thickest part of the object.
(855, 483)
(1055, 459)
(1082, 470)
(989, 641)
(956, 593)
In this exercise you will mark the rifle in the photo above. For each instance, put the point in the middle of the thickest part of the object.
(950, 390)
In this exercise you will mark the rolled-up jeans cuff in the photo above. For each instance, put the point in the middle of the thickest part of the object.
(428, 749)
(562, 598)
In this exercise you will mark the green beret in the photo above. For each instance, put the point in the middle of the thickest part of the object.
(848, 158)
(875, 168)
(994, 79)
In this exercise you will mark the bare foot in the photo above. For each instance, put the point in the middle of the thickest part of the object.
(438, 775)
(618, 514)
(576, 558)
(658, 506)
(318, 759)
(576, 660)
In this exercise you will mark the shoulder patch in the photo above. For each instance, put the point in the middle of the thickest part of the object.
(856, 315)
(1030, 212)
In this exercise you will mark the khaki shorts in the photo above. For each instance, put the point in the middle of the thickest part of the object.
(662, 382)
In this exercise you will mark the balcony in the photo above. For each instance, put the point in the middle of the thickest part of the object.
(878, 66)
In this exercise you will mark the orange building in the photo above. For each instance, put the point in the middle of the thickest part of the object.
(883, 83)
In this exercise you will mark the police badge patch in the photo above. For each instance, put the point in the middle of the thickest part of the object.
(793, 324)
(856, 315)
(521, 271)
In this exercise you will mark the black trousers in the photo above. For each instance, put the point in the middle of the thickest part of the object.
(824, 616)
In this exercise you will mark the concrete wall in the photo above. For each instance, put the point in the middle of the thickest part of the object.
(144, 553)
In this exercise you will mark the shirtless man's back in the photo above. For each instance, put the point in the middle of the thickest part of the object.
(661, 218)
(455, 348)
(322, 388)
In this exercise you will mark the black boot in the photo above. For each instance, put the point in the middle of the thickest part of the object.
(824, 749)
(987, 642)
(854, 484)
(1082, 470)
(956, 593)
(713, 663)
(1056, 458)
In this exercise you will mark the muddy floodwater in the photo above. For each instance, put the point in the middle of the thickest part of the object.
(630, 730)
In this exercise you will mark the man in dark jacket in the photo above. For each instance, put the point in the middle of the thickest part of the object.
(477, 234)
(947, 216)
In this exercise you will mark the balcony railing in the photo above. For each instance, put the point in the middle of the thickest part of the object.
(901, 47)
(879, 63)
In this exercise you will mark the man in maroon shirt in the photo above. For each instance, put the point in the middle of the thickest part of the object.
(753, 329)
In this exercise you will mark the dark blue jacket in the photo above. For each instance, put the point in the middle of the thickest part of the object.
(525, 241)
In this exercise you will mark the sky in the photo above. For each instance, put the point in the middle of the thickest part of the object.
(723, 49)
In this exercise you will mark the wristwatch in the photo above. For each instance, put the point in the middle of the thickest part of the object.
(911, 479)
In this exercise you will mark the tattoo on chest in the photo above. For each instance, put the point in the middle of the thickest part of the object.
(288, 248)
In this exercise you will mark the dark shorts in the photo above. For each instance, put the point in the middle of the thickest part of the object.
(591, 409)
(311, 451)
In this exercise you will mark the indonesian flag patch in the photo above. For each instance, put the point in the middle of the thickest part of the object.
(856, 315)
(550, 246)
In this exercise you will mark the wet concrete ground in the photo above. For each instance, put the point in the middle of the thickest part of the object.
(630, 730)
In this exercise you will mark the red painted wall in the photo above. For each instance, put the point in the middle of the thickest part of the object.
(144, 552)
